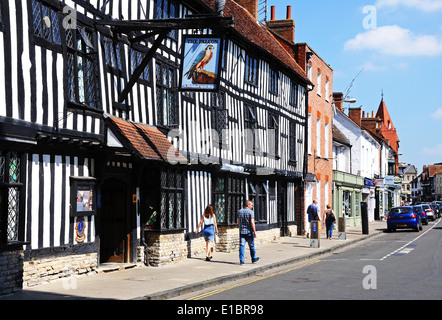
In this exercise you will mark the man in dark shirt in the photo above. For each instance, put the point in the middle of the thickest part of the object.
(312, 212)
(247, 231)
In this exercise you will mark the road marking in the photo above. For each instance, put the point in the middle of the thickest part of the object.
(404, 248)
(211, 293)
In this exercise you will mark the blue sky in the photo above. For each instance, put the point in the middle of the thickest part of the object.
(398, 44)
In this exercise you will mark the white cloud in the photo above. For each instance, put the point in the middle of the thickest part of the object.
(437, 114)
(423, 5)
(395, 41)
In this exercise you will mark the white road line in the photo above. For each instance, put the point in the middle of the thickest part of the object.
(407, 250)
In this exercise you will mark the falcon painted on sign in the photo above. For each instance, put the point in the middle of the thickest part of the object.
(200, 62)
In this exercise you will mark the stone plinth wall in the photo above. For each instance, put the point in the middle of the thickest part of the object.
(11, 271)
(36, 272)
(165, 248)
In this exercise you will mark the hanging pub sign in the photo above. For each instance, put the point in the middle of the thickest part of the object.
(201, 63)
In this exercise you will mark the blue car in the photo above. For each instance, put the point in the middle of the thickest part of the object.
(404, 218)
(421, 211)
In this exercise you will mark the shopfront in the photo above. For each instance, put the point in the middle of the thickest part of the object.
(347, 194)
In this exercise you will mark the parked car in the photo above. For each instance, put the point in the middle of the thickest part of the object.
(429, 211)
(405, 217)
(436, 209)
(422, 213)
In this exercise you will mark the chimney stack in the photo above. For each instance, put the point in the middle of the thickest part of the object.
(355, 115)
(338, 99)
(250, 5)
(285, 28)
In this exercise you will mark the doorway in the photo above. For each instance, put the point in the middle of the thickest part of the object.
(114, 222)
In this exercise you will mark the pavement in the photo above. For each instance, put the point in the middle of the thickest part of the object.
(132, 282)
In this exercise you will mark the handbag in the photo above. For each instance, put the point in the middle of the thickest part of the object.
(216, 238)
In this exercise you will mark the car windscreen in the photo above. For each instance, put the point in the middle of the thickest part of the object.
(426, 206)
(418, 209)
(401, 210)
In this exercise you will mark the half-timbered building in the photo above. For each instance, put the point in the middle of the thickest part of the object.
(104, 159)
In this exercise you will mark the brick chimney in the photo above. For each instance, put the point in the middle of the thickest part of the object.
(338, 99)
(250, 5)
(355, 115)
(285, 28)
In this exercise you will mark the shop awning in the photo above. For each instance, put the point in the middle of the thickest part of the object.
(144, 141)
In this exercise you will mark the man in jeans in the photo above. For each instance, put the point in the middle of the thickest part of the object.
(247, 231)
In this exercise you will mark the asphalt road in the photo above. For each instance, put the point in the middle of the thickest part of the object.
(391, 266)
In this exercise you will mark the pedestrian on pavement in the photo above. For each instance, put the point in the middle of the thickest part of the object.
(312, 212)
(209, 230)
(330, 219)
(247, 231)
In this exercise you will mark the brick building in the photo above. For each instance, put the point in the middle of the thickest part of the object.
(320, 112)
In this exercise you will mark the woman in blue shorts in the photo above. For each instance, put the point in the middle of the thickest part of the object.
(209, 230)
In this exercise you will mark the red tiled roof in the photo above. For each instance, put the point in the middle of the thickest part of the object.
(246, 25)
(148, 142)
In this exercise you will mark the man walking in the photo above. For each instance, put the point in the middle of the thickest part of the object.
(247, 231)
(312, 212)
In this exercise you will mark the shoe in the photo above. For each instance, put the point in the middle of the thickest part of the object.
(241, 263)
(207, 259)
(255, 261)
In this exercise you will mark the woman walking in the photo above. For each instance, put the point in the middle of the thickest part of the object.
(209, 230)
(329, 221)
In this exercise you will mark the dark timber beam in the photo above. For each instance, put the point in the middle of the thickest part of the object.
(140, 69)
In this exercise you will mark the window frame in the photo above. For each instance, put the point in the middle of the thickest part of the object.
(73, 97)
(170, 90)
(273, 81)
(232, 194)
(5, 186)
(251, 70)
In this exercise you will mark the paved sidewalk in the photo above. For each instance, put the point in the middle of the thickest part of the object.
(191, 275)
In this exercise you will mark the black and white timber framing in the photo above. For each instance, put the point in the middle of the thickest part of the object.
(60, 82)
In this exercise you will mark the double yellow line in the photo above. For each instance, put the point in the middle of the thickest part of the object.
(211, 293)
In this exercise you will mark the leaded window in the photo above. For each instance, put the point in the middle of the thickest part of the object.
(219, 119)
(273, 81)
(167, 96)
(10, 196)
(251, 74)
(293, 94)
(292, 142)
(82, 67)
(136, 57)
(228, 194)
(250, 125)
(273, 134)
(165, 9)
(258, 191)
(45, 23)
(172, 199)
